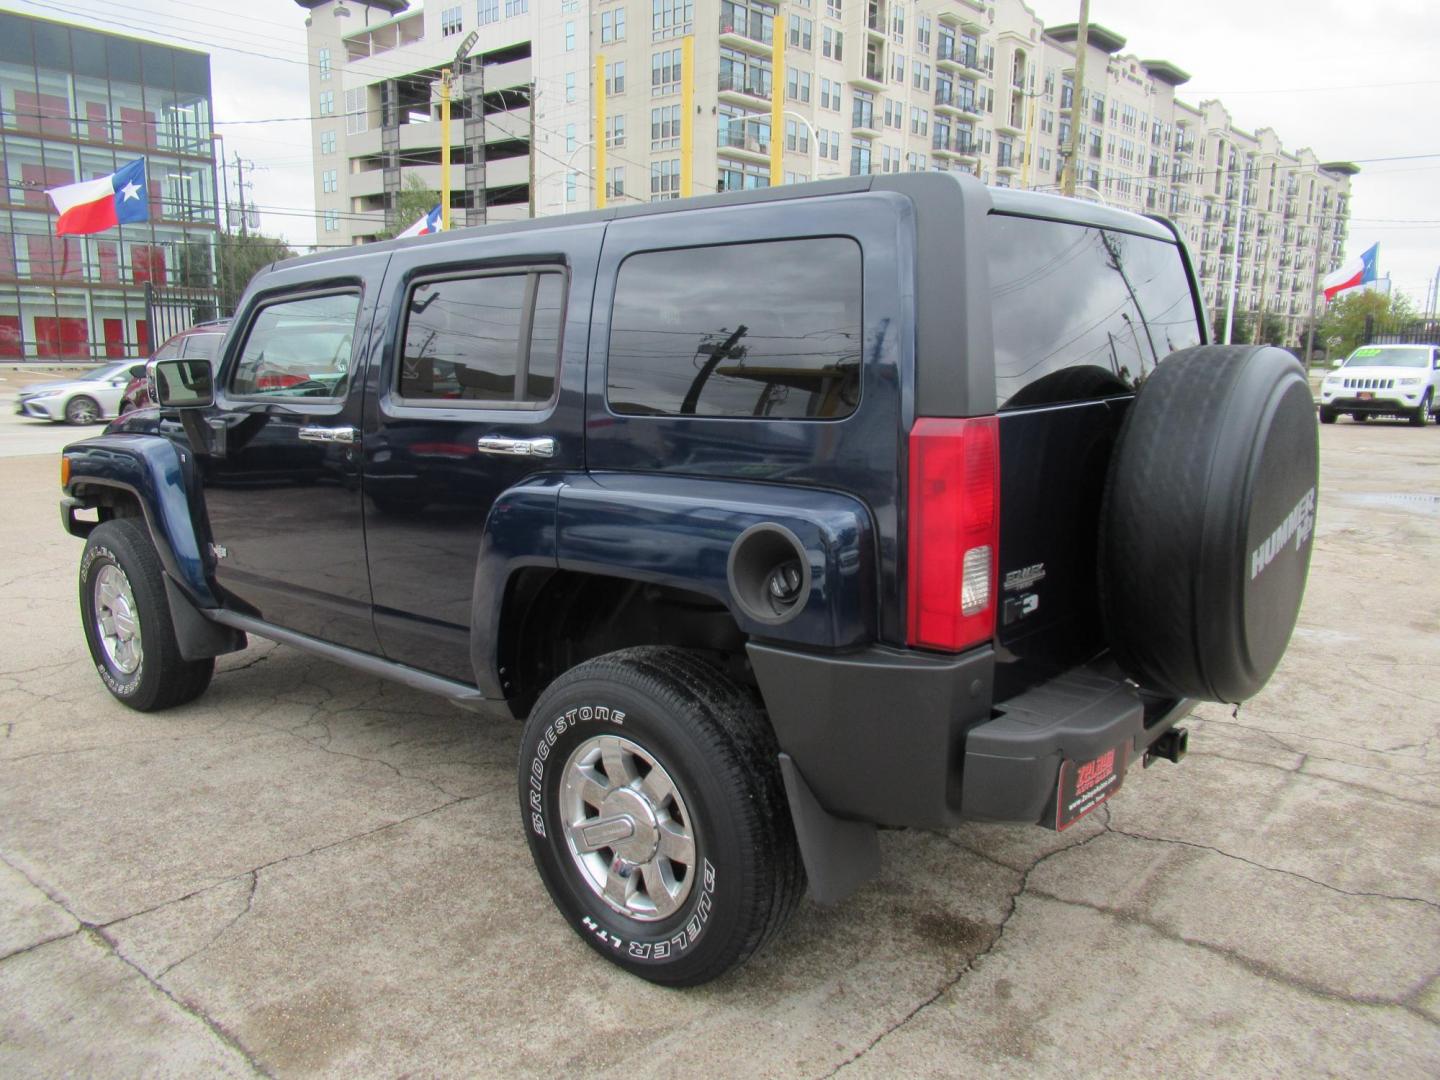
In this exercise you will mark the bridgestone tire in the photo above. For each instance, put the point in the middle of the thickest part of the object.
(163, 678)
(708, 735)
(1207, 520)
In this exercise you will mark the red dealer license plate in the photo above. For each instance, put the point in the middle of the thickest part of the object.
(1084, 785)
(1366, 395)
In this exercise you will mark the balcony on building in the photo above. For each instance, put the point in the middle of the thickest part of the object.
(748, 27)
(744, 86)
(871, 75)
(875, 18)
(966, 14)
(1007, 159)
(957, 55)
(1014, 122)
(749, 142)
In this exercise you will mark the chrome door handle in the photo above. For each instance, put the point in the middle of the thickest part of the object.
(345, 435)
(499, 444)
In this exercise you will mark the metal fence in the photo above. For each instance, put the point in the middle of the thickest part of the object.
(168, 311)
(1411, 332)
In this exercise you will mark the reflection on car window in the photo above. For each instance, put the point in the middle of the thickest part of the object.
(493, 338)
(298, 348)
(202, 345)
(1081, 312)
(169, 350)
(757, 330)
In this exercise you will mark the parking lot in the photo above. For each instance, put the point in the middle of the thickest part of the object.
(311, 872)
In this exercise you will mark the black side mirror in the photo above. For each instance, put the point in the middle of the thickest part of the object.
(181, 384)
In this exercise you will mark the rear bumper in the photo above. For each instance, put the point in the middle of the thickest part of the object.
(908, 739)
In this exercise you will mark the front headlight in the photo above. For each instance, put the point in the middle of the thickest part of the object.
(1332, 380)
(1410, 382)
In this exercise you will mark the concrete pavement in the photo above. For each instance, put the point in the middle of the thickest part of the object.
(308, 872)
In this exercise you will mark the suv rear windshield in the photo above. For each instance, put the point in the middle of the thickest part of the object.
(1081, 312)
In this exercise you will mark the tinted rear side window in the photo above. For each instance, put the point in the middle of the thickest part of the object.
(756, 330)
(1081, 312)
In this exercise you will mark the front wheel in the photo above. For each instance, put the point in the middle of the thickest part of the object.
(127, 621)
(651, 797)
(1421, 416)
(1327, 416)
(82, 410)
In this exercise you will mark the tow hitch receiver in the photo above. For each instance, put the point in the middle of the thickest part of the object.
(1171, 746)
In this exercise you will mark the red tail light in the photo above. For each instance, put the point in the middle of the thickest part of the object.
(954, 531)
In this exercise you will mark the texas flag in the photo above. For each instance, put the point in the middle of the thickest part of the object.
(93, 206)
(428, 224)
(1356, 272)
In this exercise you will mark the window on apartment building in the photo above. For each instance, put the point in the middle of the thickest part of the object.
(516, 7)
(796, 177)
(919, 121)
(897, 24)
(615, 130)
(1067, 93)
(488, 13)
(915, 162)
(572, 180)
(615, 182)
(745, 177)
(356, 117)
(860, 157)
(665, 72)
(797, 137)
(797, 84)
(832, 44)
(569, 37)
(670, 17)
(665, 127)
(332, 220)
(862, 110)
(665, 179)
(744, 73)
(802, 33)
(327, 102)
(923, 27)
(450, 21)
(612, 25)
(834, 9)
(571, 142)
(327, 142)
(324, 56)
(828, 143)
(830, 95)
(329, 181)
(897, 67)
(615, 77)
(987, 61)
(570, 86)
(920, 76)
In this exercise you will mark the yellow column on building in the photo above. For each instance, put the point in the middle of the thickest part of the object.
(444, 152)
(598, 137)
(687, 116)
(777, 104)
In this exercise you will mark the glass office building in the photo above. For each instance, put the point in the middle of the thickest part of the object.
(76, 104)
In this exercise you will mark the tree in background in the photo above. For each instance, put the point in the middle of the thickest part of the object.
(1342, 327)
(242, 257)
(414, 201)
(1243, 330)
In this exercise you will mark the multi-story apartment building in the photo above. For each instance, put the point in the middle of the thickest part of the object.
(76, 104)
(976, 86)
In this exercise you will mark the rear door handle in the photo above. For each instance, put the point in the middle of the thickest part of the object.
(499, 444)
(345, 435)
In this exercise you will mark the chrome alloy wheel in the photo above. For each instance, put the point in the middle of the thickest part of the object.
(628, 829)
(116, 620)
(82, 411)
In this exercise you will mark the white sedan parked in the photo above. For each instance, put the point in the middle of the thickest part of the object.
(88, 399)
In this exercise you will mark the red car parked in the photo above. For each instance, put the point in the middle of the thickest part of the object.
(202, 339)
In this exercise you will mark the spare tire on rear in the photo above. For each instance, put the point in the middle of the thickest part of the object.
(1207, 519)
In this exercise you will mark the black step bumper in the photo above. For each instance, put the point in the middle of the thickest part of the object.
(897, 737)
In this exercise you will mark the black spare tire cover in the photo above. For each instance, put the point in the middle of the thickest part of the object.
(1207, 520)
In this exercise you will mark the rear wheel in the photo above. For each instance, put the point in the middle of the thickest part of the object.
(127, 621)
(652, 800)
(82, 410)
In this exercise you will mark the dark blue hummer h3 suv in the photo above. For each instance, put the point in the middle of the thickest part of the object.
(778, 517)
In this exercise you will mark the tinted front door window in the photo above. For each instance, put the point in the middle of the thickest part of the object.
(298, 348)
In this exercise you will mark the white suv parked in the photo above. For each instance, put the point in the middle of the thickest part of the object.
(1384, 380)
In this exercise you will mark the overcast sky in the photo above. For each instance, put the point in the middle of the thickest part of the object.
(1351, 79)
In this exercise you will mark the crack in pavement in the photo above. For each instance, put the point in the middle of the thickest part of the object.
(970, 964)
(97, 934)
(1394, 751)
(254, 876)
(1272, 869)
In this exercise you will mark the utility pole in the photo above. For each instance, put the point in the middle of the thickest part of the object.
(240, 188)
(1314, 291)
(598, 136)
(1235, 252)
(1072, 160)
(532, 148)
(224, 214)
(445, 77)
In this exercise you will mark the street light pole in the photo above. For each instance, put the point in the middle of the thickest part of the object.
(445, 76)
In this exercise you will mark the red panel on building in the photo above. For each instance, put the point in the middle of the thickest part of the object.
(10, 337)
(37, 178)
(109, 253)
(147, 263)
(7, 255)
(46, 113)
(137, 127)
(54, 257)
(114, 338)
(96, 115)
(60, 337)
(142, 336)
